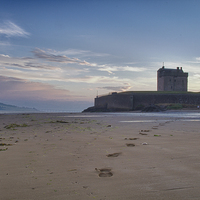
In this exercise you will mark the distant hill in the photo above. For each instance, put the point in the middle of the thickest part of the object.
(10, 108)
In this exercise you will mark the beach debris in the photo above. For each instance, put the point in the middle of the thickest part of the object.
(48, 132)
(13, 126)
(4, 144)
(113, 154)
(131, 138)
(109, 125)
(157, 135)
(144, 143)
(145, 131)
(104, 172)
(71, 170)
(61, 121)
(3, 149)
(130, 144)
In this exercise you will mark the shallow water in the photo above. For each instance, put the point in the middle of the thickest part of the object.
(137, 116)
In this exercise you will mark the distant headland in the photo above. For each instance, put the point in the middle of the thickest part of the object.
(5, 108)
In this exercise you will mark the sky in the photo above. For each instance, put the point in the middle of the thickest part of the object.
(59, 55)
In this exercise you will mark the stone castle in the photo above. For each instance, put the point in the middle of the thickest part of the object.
(171, 79)
(171, 89)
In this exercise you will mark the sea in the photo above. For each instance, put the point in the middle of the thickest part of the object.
(133, 117)
(130, 117)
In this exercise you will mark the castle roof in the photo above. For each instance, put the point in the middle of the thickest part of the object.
(172, 72)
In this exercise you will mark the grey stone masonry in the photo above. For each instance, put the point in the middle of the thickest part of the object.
(172, 79)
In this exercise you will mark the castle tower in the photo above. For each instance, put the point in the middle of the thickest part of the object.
(171, 79)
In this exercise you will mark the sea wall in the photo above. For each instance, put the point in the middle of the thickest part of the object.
(115, 101)
(131, 101)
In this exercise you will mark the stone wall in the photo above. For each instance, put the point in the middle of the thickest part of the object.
(115, 102)
(132, 101)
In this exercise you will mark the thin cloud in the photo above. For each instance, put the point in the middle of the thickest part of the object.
(10, 29)
(24, 63)
(198, 58)
(112, 69)
(116, 88)
(4, 44)
(92, 79)
(79, 52)
(15, 88)
(31, 65)
(58, 58)
(71, 52)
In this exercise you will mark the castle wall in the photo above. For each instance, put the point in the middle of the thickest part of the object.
(160, 83)
(168, 83)
(120, 102)
(115, 101)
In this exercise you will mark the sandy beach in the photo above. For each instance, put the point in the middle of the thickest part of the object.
(104, 156)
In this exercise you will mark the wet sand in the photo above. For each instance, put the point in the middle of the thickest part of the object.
(98, 156)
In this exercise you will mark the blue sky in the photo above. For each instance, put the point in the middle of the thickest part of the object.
(57, 55)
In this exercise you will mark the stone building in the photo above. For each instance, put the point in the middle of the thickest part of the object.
(171, 79)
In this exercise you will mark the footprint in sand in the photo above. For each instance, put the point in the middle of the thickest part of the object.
(131, 138)
(104, 172)
(130, 144)
(143, 132)
(113, 154)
